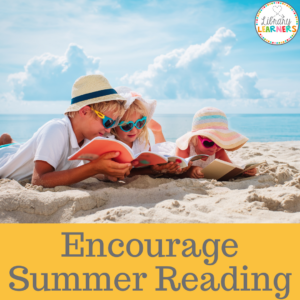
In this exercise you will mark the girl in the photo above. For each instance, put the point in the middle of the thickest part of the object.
(133, 130)
(210, 135)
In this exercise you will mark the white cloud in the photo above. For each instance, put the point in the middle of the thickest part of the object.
(241, 84)
(266, 93)
(271, 102)
(50, 77)
(184, 73)
(189, 78)
(282, 99)
(285, 99)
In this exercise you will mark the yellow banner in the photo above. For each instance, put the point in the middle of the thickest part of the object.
(150, 261)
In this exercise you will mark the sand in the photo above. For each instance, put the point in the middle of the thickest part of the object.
(273, 196)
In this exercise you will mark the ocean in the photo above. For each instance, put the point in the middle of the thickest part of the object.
(257, 127)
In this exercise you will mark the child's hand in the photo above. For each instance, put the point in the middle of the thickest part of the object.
(170, 167)
(185, 169)
(251, 172)
(103, 177)
(105, 165)
(195, 172)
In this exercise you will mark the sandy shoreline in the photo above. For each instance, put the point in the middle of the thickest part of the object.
(271, 197)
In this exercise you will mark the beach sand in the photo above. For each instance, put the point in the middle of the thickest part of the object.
(271, 197)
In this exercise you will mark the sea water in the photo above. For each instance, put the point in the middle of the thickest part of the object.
(257, 127)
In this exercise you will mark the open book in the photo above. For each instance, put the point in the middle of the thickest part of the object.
(183, 162)
(223, 170)
(100, 145)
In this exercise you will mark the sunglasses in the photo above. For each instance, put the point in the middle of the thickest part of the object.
(207, 143)
(127, 126)
(107, 122)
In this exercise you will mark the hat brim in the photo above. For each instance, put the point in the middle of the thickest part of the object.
(77, 106)
(224, 138)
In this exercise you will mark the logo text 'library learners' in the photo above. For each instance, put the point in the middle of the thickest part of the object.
(276, 23)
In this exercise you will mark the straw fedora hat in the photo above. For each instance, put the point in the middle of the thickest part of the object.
(212, 123)
(131, 96)
(91, 89)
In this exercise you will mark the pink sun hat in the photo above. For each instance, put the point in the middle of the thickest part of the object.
(212, 123)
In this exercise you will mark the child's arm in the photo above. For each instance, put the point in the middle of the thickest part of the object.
(182, 153)
(222, 155)
(155, 127)
(45, 175)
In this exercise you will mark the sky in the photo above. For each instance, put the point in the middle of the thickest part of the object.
(185, 54)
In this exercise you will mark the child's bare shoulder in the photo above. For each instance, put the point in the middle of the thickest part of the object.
(182, 153)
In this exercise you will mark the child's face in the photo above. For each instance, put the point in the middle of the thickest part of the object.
(130, 136)
(94, 126)
(208, 151)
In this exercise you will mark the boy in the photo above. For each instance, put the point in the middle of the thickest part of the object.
(94, 110)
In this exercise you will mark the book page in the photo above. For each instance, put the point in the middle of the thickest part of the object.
(184, 162)
(148, 158)
(99, 146)
(251, 166)
(181, 161)
(217, 169)
(196, 157)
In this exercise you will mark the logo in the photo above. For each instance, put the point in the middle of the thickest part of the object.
(276, 23)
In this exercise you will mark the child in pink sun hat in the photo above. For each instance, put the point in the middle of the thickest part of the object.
(210, 135)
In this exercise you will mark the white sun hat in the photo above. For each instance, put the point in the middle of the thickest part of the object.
(91, 89)
(131, 96)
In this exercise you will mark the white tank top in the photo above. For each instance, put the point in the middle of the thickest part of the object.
(200, 163)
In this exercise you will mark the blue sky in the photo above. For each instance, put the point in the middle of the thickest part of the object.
(186, 54)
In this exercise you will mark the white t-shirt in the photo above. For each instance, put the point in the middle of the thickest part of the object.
(53, 143)
(138, 146)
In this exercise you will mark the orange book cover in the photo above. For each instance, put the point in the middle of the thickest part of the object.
(99, 146)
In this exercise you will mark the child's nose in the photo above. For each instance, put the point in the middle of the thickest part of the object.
(214, 147)
(107, 129)
(134, 130)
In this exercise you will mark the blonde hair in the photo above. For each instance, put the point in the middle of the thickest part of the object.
(116, 106)
(139, 107)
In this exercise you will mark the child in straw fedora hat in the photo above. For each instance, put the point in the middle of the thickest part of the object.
(133, 130)
(210, 135)
(95, 108)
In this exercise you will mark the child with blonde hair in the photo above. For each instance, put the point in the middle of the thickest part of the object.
(133, 130)
(95, 108)
(210, 135)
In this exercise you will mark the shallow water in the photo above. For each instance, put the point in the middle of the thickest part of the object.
(258, 128)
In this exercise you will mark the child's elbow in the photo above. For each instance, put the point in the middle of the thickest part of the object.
(36, 181)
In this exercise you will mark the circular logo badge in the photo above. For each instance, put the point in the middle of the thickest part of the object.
(276, 23)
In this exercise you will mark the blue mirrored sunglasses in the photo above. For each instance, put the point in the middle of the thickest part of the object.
(107, 122)
(127, 126)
